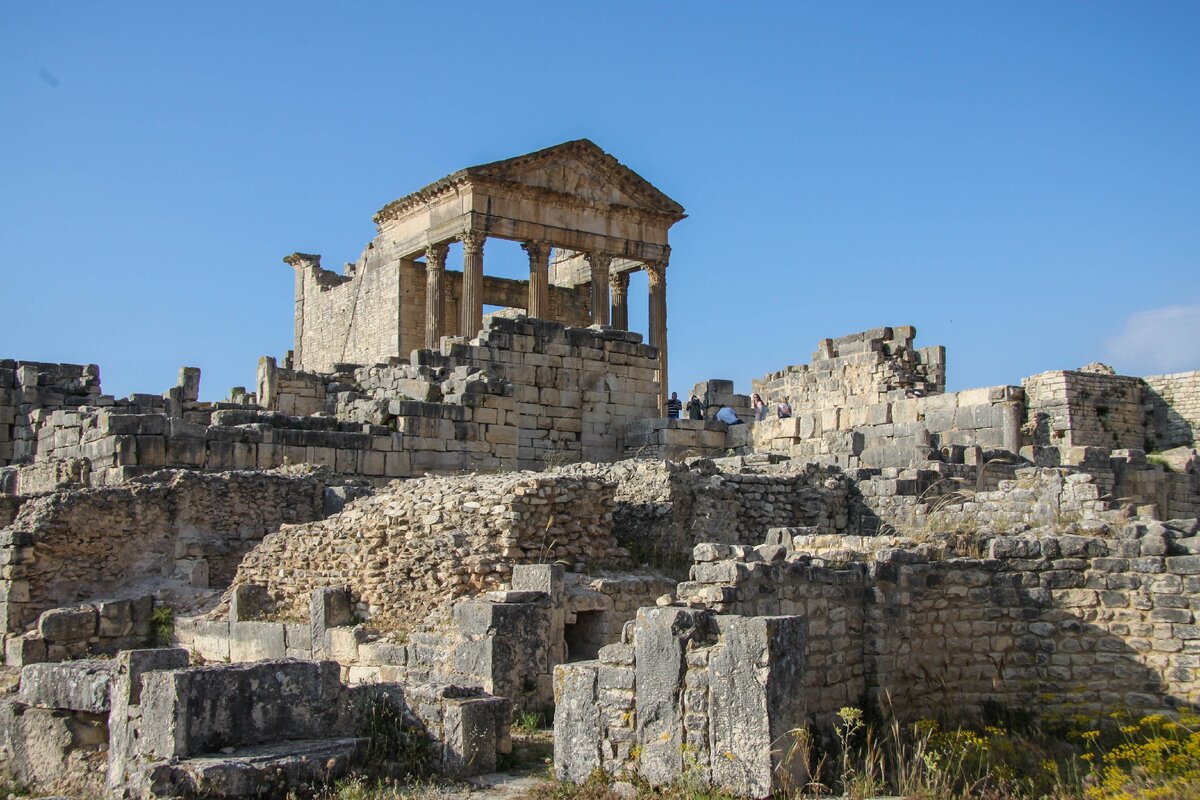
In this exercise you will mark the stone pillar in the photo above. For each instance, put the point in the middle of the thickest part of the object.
(539, 279)
(471, 304)
(656, 271)
(599, 263)
(435, 273)
(618, 286)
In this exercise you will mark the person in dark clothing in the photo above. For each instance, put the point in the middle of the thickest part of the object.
(674, 406)
(695, 408)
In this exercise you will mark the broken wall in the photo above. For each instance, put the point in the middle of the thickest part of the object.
(419, 545)
(69, 546)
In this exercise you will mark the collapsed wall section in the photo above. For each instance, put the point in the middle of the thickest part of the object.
(73, 545)
(664, 508)
(416, 546)
(29, 386)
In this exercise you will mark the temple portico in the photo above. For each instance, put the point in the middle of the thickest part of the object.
(585, 221)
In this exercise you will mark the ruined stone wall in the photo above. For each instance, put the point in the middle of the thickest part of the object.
(415, 547)
(872, 400)
(663, 509)
(526, 394)
(857, 370)
(27, 387)
(1046, 619)
(1174, 402)
(352, 318)
(1085, 409)
(70, 546)
(289, 391)
(688, 693)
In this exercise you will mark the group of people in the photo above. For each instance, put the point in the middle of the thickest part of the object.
(695, 409)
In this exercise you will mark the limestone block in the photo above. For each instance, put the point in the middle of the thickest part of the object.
(210, 640)
(660, 643)
(74, 685)
(116, 617)
(22, 650)
(65, 625)
(256, 641)
(752, 677)
(577, 731)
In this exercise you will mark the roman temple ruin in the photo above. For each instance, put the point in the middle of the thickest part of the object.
(463, 517)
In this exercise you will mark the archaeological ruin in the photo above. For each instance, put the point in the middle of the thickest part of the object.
(468, 517)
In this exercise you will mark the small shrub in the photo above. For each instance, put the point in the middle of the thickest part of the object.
(527, 722)
(162, 626)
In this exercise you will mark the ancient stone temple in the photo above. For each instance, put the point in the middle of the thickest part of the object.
(572, 204)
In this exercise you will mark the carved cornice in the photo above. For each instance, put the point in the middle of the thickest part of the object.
(498, 174)
(302, 260)
(472, 241)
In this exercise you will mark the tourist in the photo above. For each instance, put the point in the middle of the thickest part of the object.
(727, 415)
(674, 406)
(784, 410)
(695, 408)
(760, 408)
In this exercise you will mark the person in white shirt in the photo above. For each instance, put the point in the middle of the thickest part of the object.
(727, 416)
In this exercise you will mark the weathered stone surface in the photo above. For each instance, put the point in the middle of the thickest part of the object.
(659, 645)
(73, 685)
(576, 721)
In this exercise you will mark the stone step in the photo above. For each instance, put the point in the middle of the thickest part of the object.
(267, 770)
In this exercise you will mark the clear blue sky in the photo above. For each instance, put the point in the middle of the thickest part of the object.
(1021, 181)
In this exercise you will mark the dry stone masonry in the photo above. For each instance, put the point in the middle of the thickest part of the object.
(459, 516)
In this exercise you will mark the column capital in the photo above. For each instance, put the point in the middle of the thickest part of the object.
(435, 255)
(618, 281)
(538, 251)
(472, 240)
(599, 259)
(656, 271)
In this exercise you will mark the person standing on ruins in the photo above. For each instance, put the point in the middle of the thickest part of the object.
(674, 406)
(695, 408)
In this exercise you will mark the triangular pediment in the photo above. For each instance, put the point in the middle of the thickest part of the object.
(581, 170)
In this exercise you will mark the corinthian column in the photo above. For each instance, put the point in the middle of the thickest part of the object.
(618, 286)
(656, 272)
(539, 279)
(435, 272)
(599, 263)
(471, 305)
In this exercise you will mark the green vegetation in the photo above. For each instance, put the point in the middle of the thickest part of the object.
(162, 626)
(1012, 756)
(395, 747)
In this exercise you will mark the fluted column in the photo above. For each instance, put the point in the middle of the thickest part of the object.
(599, 263)
(618, 286)
(471, 305)
(539, 279)
(656, 272)
(435, 273)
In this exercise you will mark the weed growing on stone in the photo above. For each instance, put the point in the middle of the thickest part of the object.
(162, 626)
(527, 722)
(394, 746)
